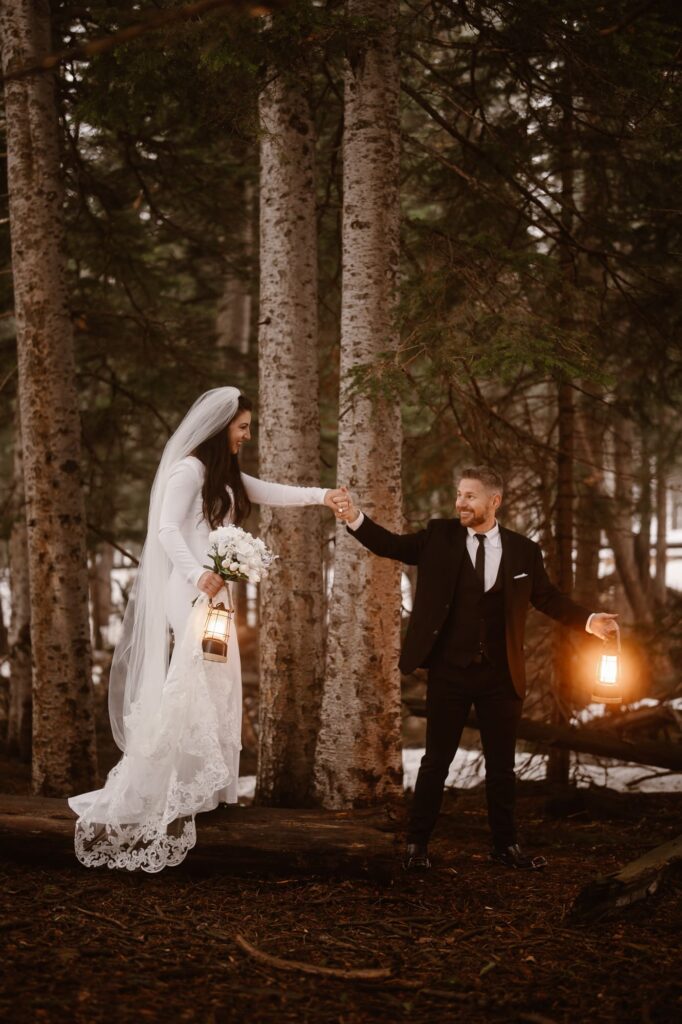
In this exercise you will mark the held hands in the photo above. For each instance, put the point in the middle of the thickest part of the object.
(209, 583)
(341, 504)
(603, 625)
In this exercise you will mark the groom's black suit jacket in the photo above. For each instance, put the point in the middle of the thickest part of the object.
(438, 552)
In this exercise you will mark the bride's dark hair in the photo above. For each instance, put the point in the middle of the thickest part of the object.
(222, 471)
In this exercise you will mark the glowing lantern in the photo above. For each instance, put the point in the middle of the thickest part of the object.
(607, 687)
(217, 631)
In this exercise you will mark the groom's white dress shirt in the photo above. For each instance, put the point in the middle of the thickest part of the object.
(493, 554)
(492, 546)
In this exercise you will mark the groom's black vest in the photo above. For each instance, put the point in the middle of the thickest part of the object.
(475, 626)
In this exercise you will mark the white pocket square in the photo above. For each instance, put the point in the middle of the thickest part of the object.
(521, 576)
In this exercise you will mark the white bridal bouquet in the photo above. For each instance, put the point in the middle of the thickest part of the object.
(237, 555)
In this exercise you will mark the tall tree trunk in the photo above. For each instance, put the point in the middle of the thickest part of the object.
(101, 566)
(620, 532)
(642, 539)
(234, 315)
(660, 591)
(19, 721)
(617, 520)
(589, 515)
(64, 755)
(558, 762)
(291, 653)
(359, 751)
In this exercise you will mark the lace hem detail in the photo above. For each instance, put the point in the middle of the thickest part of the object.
(133, 848)
(178, 760)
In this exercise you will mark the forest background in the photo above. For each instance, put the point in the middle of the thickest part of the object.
(535, 325)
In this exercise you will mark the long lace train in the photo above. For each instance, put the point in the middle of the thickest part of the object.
(180, 761)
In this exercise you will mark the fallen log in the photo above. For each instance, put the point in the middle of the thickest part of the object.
(232, 840)
(599, 742)
(637, 880)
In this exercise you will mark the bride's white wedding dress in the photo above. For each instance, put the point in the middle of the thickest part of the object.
(183, 756)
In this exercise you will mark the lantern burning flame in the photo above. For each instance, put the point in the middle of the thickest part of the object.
(216, 634)
(606, 689)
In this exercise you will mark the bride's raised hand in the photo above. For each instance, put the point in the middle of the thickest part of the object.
(209, 583)
(337, 497)
(342, 505)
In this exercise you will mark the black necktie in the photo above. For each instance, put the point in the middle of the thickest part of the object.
(479, 565)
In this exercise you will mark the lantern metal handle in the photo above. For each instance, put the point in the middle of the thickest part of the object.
(607, 639)
(228, 590)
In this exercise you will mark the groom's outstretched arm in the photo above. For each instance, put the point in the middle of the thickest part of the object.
(405, 547)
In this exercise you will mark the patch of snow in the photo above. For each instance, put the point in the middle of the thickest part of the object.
(246, 787)
(468, 769)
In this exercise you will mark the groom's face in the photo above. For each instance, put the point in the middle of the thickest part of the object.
(476, 505)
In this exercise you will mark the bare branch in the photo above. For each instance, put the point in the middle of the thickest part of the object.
(84, 51)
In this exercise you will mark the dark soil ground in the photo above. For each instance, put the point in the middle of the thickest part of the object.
(470, 941)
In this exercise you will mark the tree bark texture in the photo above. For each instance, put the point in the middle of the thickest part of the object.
(359, 751)
(558, 761)
(64, 755)
(617, 511)
(19, 639)
(620, 533)
(291, 635)
(100, 570)
(234, 316)
(660, 591)
(589, 508)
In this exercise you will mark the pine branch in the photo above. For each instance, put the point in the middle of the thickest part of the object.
(84, 51)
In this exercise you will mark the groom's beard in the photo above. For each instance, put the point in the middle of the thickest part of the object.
(473, 520)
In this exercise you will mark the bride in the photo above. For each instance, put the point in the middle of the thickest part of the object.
(178, 724)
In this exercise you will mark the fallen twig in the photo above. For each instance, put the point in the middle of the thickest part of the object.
(102, 917)
(357, 973)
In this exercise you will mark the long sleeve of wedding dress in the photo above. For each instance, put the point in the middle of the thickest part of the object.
(179, 502)
(182, 754)
(263, 492)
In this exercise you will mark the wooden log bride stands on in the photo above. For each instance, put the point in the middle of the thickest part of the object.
(236, 840)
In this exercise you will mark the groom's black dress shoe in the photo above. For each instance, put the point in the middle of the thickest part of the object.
(416, 857)
(513, 857)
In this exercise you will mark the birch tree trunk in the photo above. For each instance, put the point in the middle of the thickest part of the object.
(291, 653)
(359, 752)
(64, 757)
(19, 639)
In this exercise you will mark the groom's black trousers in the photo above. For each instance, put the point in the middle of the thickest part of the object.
(451, 693)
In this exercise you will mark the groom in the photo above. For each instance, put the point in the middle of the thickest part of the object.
(475, 582)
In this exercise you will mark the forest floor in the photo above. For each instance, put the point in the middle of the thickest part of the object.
(470, 940)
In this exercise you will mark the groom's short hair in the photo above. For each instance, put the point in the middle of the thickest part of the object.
(490, 479)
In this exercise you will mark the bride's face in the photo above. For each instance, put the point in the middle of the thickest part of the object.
(239, 431)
